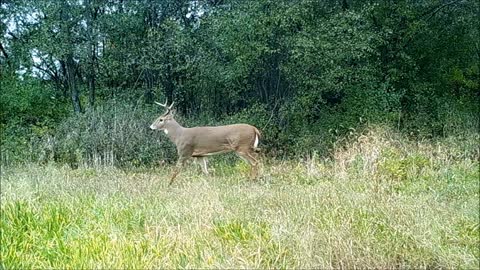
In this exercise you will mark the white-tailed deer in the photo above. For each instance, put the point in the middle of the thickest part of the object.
(199, 142)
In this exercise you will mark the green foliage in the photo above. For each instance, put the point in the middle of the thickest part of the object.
(399, 168)
(305, 72)
(240, 232)
(29, 113)
(28, 102)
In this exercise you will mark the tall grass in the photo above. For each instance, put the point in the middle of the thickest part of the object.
(380, 201)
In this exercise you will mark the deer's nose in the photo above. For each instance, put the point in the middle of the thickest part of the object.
(152, 127)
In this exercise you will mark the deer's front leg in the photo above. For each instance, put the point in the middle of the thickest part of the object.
(181, 161)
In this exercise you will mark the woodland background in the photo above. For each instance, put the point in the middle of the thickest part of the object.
(78, 78)
(369, 112)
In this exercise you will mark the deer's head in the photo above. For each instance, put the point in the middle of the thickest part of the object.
(162, 122)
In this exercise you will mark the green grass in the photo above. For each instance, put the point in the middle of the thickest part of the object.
(381, 202)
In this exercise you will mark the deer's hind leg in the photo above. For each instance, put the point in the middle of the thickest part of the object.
(181, 161)
(251, 158)
(203, 161)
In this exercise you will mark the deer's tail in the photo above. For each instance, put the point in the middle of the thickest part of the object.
(258, 135)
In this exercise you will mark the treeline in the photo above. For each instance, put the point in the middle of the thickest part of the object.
(304, 71)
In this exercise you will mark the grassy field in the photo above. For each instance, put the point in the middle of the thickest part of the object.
(378, 201)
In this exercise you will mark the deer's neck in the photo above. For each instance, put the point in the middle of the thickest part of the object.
(174, 130)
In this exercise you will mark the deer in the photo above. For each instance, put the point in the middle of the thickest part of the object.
(203, 141)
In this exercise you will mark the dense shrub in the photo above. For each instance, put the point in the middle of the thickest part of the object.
(112, 134)
(29, 112)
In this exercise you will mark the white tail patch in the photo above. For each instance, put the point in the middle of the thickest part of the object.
(255, 144)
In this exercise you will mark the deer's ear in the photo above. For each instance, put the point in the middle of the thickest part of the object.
(173, 112)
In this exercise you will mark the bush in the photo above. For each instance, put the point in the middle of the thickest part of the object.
(114, 135)
(29, 112)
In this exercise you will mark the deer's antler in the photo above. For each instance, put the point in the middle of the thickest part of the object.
(165, 105)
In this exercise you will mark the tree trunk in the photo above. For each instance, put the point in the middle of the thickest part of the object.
(148, 94)
(168, 84)
(4, 52)
(91, 80)
(63, 79)
(71, 83)
(70, 65)
(91, 14)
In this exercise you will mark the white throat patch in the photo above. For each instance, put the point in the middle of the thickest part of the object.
(166, 131)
